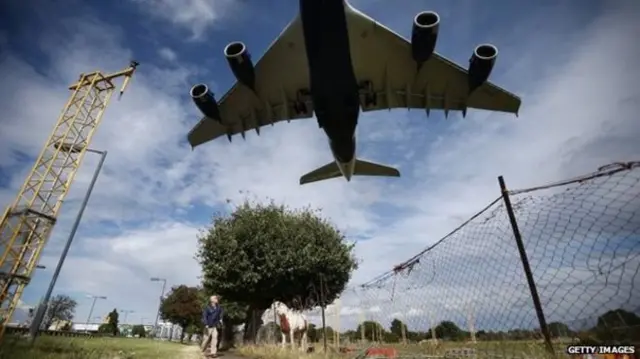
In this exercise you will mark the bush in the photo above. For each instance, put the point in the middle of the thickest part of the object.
(138, 330)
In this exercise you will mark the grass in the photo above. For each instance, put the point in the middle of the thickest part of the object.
(276, 352)
(498, 349)
(94, 348)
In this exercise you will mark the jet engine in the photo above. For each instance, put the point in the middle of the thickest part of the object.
(480, 65)
(240, 63)
(205, 101)
(424, 35)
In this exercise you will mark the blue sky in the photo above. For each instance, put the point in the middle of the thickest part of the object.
(572, 62)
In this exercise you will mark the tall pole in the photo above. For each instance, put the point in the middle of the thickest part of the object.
(126, 314)
(41, 309)
(526, 266)
(164, 283)
(95, 298)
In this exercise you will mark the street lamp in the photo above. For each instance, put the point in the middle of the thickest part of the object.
(126, 314)
(95, 298)
(37, 321)
(164, 283)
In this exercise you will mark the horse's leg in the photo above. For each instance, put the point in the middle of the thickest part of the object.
(305, 344)
(292, 337)
(284, 339)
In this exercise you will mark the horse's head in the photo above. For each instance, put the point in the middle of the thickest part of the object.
(280, 308)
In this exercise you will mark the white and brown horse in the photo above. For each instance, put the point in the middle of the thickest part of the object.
(292, 323)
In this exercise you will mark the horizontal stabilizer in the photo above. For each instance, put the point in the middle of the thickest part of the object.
(364, 168)
(330, 170)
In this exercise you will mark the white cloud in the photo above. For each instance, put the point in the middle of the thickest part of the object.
(196, 16)
(579, 115)
(167, 54)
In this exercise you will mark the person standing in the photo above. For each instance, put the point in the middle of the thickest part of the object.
(212, 319)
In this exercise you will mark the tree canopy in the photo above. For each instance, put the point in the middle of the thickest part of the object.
(265, 252)
(61, 308)
(138, 330)
(183, 306)
(260, 253)
(112, 323)
(398, 328)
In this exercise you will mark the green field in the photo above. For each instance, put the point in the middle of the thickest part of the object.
(95, 348)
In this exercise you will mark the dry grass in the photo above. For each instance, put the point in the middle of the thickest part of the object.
(502, 350)
(277, 352)
(93, 348)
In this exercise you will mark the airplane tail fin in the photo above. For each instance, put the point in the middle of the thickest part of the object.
(361, 168)
(330, 170)
(364, 168)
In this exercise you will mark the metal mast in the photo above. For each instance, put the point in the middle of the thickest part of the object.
(27, 223)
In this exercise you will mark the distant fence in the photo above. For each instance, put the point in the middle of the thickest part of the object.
(535, 269)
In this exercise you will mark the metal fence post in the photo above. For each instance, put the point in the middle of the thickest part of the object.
(525, 265)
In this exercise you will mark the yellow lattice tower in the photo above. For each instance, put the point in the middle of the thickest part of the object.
(27, 223)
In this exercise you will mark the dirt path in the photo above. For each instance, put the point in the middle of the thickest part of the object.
(193, 352)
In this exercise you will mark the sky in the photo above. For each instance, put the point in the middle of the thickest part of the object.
(571, 62)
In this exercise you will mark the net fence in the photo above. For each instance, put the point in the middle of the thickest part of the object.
(468, 295)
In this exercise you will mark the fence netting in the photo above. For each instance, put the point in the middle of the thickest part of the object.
(467, 295)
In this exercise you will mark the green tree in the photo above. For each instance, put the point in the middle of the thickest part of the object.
(61, 308)
(139, 331)
(372, 330)
(397, 328)
(182, 306)
(312, 333)
(112, 322)
(559, 329)
(448, 330)
(105, 328)
(234, 314)
(265, 252)
(618, 326)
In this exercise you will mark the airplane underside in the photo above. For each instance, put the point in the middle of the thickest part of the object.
(334, 89)
(334, 61)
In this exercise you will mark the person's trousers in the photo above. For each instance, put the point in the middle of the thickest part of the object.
(210, 341)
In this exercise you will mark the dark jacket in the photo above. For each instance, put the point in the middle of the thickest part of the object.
(212, 316)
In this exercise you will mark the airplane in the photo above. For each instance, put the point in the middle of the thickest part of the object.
(335, 61)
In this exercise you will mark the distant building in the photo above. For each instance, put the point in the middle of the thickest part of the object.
(82, 327)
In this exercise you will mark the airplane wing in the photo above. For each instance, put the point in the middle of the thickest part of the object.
(280, 75)
(383, 59)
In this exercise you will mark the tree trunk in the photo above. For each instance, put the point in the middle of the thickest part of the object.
(251, 326)
(227, 336)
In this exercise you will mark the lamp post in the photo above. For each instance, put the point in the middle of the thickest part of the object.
(126, 314)
(164, 283)
(35, 326)
(95, 298)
